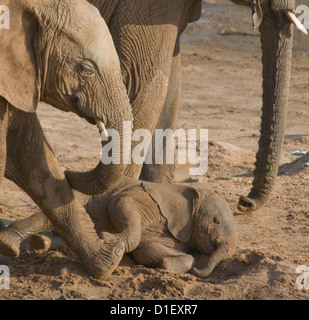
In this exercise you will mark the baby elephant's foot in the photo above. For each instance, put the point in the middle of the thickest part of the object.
(39, 243)
(106, 258)
(9, 243)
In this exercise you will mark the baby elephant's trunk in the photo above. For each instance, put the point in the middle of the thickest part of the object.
(223, 252)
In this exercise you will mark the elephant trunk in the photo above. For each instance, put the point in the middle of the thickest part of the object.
(104, 176)
(223, 252)
(276, 39)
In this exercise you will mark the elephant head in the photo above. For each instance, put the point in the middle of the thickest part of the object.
(275, 20)
(61, 52)
(213, 232)
(198, 218)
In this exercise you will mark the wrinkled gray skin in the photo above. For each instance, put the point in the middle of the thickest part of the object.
(277, 41)
(162, 225)
(147, 42)
(60, 52)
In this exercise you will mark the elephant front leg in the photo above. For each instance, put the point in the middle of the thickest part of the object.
(168, 120)
(146, 54)
(124, 214)
(146, 112)
(32, 165)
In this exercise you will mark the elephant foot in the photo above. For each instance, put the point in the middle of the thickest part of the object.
(246, 204)
(9, 243)
(100, 260)
(106, 259)
(39, 243)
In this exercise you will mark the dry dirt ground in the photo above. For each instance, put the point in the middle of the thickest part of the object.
(221, 93)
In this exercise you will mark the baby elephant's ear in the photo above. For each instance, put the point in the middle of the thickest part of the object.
(18, 66)
(176, 203)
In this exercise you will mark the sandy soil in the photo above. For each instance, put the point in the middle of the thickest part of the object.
(222, 93)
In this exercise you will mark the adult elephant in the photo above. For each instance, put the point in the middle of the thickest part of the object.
(60, 52)
(146, 35)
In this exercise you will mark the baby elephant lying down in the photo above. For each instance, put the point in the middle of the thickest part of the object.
(162, 225)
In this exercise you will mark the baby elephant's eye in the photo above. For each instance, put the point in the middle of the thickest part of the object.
(85, 68)
(216, 220)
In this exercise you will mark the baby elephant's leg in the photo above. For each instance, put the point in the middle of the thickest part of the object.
(126, 220)
(40, 243)
(152, 254)
(11, 237)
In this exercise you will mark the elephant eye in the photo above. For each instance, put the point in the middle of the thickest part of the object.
(216, 220)
(85, 68)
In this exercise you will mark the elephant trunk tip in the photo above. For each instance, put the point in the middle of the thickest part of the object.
(251, 203)
(223, 252)
(204, 273)
(246, 204)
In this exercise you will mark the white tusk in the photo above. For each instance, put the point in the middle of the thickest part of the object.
(101, 126)
(295, 20)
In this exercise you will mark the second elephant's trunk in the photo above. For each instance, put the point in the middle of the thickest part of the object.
(276, 38)
(96, 181)
(105, 176)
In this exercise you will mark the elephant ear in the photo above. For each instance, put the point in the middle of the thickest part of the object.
(195, 10)
(177, 204)
(19, 83)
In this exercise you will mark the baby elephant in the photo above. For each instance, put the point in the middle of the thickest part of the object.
(162, 225)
